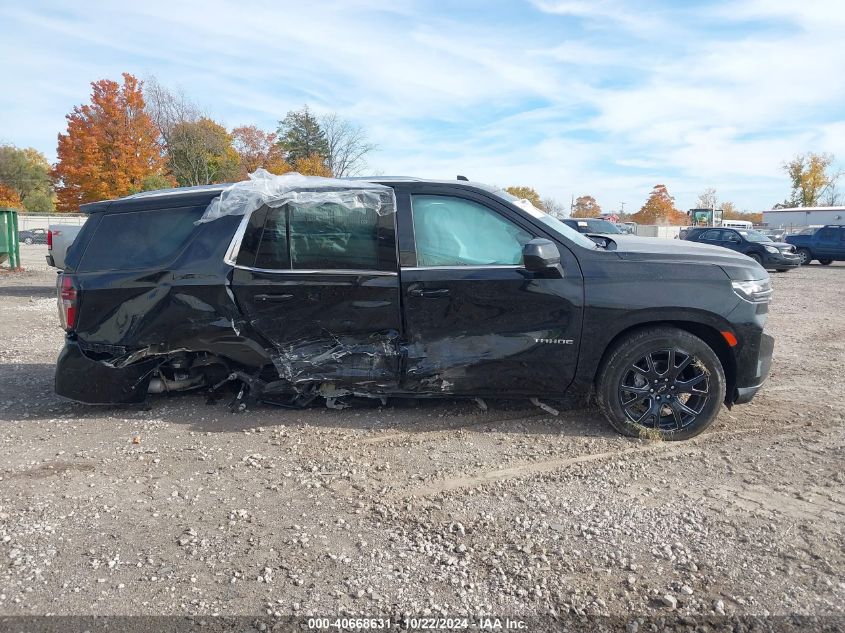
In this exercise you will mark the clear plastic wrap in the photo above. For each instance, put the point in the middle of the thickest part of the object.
(264, 188)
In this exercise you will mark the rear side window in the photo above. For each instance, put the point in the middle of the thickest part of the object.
(140, 239)
(711, 236)
(828, 233)
(323, 237)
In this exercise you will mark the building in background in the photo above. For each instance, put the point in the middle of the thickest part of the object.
(799, 217)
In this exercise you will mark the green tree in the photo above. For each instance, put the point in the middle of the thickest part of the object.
(27, 172)
(201, 153)
(301, 137)
(526, 193)
(812, 179)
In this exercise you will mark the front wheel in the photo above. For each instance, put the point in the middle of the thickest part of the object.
(804, 256)
(756, 258)
(28, 240)
(661, 382)
(825, 262)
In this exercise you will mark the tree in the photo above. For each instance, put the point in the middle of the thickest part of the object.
(109, 148)
(257, 148)
(554, 207)
(811, 178)
(586, 207)
(301, 137)
(167, 109)
(707, 199)
(313, 165)
(157, 181)
(27, 172)
(201, 153)
(526, 193)
(347, 146)
(9, 198)
(659, 209)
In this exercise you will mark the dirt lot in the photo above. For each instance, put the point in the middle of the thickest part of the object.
(427, 508)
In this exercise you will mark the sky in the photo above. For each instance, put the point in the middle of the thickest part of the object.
(570, 97)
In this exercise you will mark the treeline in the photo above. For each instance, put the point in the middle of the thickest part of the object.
(139, 136)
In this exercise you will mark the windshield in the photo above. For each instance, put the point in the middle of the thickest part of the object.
(601, 226)
(754, 236)
(550, 221)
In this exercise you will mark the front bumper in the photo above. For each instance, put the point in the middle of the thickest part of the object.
(90, 381)
(753, 367)
(781, 260)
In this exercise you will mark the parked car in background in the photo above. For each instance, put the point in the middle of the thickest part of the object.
(826, 244)
(779, 256)
(402, 287)
(33, 236)
(59, 239)
(593, 225)
(776, 235)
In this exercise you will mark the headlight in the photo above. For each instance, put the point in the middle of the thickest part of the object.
(771, 249)
(757, 291)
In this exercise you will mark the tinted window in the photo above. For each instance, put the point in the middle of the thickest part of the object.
(456, 232)
(142, 239)
(712, 235)
(334, 237)
(324, 237)
(273, 248)
(828, 233)
(731, 236)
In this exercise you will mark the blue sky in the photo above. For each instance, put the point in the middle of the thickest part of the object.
(571, 97)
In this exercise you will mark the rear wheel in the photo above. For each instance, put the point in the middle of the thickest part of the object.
(804, 256)
(825, 262)
(662, 383)
(27, 240)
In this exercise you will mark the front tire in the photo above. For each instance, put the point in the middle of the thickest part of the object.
(756, 258)
(825, 262)
(805, 256)
(28, 240)
(661, 383)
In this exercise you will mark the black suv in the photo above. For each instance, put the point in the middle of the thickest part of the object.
(770, 255)
(425, 289)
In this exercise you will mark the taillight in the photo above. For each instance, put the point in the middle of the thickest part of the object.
(68, 301)
(49, 240)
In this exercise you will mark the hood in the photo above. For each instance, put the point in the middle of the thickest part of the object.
(781, 246)
(655, 249)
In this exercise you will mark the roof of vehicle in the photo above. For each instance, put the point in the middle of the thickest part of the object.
(188, 196)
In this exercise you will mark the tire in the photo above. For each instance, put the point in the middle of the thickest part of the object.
(27, 240)
(674, 418)
(805, 256)
(756, 258)
(782, 270)
(825, 262)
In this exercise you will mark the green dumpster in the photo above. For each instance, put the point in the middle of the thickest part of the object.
(9, 248)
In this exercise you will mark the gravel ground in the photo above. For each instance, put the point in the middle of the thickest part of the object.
(426, 508)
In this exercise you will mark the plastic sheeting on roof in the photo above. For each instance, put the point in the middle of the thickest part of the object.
(264, 188)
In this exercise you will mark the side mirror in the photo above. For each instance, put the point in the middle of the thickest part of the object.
(540, 254)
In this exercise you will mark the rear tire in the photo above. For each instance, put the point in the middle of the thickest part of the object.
(661, 383)
(28, 240)
(825, 262)
(782, 270)
(805, 256)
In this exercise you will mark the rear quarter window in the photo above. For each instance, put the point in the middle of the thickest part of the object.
(139, 239)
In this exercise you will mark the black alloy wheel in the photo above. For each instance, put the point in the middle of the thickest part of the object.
(665, 389)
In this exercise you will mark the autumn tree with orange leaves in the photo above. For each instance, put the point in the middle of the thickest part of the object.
(110, 147)
(9, 198)
(257, 148)
(659, 209)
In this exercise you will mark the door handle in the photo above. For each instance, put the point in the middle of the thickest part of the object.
(429, 294)
(273, 298)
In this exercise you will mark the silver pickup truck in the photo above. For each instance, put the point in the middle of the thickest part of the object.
(59, 239)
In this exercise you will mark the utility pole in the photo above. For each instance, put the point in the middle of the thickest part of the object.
(622, 208)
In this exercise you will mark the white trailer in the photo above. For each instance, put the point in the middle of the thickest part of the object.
(800, 217)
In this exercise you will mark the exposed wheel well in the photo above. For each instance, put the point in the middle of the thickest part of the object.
(708, 334)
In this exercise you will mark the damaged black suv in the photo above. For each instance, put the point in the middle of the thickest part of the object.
(287, 289)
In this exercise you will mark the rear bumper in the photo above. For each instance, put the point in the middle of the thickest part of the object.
(90, 381)
(753, 369)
